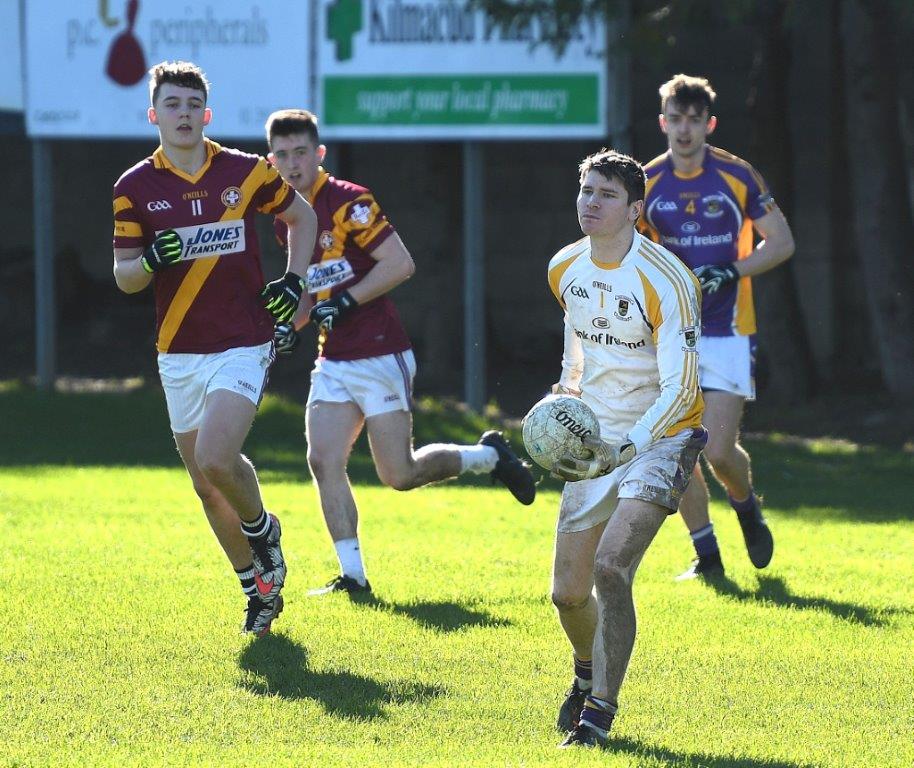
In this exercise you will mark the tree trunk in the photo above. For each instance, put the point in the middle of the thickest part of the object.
(882, 210)
(782, 334)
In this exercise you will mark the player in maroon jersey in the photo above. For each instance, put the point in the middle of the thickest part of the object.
(184, 221)
(364, 371)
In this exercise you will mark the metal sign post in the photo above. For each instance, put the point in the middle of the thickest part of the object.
(474, 287)
(43, 216)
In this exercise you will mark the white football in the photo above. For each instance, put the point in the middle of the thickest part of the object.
(556, 425)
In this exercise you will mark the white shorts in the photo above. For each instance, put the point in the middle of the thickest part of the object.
(375, 384)
(660, 475)
(727, 364)
(188, 378)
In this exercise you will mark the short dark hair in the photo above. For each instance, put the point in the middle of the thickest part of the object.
(688, 91)
(614, 165)
(289, 122)
(182, 73)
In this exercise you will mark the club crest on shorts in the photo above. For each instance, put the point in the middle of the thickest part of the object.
(231, 197)
(326, 240)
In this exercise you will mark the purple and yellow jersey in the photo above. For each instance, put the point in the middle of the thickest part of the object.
(351, 226)
(209, 301)
(706, 218)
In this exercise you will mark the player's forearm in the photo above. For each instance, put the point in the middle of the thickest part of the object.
(130, 275)
(769, 254)
(572, 359)
(383, 277)
(301, 319)
(302, 232)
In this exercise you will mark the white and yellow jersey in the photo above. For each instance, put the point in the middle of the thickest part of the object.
(631, 339)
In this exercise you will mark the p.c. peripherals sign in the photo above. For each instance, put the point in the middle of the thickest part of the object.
(86, 62)
(443, 69)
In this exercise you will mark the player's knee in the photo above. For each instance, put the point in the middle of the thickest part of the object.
(398, 478)
(610, 575)
(215, 465)
(567, 599)
(719, 454)
(206, 492)
(325, 465)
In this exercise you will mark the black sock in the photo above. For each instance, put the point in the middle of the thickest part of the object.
(257, 529)
(598, 714)
(583, 671)
(246, 577)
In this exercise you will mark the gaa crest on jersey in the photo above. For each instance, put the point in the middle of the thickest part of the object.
(325, 241)
(231, 197)
(623, 308)
(714, 206)
(360, 214)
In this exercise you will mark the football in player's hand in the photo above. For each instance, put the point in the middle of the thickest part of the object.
(556, 425)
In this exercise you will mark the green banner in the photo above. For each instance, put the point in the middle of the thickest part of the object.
(462, 100)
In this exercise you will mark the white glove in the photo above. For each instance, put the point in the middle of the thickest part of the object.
(605, 457)
(561, 389)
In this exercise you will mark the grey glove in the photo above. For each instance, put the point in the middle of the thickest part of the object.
(605, 457)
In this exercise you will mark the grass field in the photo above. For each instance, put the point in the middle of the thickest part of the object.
(119, 642)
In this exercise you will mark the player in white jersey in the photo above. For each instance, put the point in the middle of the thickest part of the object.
(632, 322)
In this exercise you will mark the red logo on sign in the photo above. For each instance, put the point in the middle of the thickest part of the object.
(126, 60)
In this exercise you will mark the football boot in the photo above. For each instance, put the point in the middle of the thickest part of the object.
(510, 470)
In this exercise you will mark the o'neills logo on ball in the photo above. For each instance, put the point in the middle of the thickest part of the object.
(575, 427)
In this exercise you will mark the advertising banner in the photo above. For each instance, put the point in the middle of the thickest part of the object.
(11, 56)
(443, 69)
(86, 62)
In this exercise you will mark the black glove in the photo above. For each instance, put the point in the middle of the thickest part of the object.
(713, 277)
(285, 339)
(165, 250)
(327, 313)
(281, 297)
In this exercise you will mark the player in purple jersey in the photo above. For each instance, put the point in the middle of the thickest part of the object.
(183, 223)
(363, 375)
(705, 204)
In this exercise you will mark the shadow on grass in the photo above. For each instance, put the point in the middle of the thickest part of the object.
(772, 589)
(438, 616)
(279, 667)
(670, 757)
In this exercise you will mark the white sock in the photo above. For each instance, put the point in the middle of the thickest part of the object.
(477, 459)
(347, 550)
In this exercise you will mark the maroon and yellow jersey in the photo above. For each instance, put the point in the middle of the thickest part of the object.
(210, 301)
(351, 226)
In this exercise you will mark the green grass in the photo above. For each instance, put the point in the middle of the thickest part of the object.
(119, 644)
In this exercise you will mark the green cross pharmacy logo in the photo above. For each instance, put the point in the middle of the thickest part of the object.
(344, 19)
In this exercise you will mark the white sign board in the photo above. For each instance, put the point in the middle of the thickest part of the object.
(10, 56)
(442, 69)
(86, 62)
